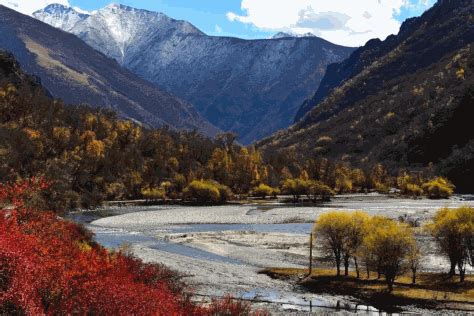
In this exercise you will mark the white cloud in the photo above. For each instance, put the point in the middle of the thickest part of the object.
(30, 6)
(344, 22)
(218, 29)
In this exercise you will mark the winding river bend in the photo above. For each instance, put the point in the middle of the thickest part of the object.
(222, 248)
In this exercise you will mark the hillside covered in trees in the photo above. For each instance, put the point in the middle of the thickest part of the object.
(91, 156)
(404, 102)
(76, 73)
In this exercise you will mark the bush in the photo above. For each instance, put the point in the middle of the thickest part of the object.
(264, 190)
(207, 191)
(318, 188)
(295, 187)
(413, 190)
(51, 266)
(154, 193)
(438, 188)
(381, 188)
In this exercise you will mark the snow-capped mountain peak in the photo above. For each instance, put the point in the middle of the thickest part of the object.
(239, 85)
(122, 26)
(60, 16)
(288, 35)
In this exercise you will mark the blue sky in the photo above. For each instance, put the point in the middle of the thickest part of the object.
(208, 15)
(339, 21)
(345, 22)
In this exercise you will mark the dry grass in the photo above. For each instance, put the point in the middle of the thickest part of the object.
(432, 290)
(49, 63)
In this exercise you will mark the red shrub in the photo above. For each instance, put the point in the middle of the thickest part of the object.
(52, 266)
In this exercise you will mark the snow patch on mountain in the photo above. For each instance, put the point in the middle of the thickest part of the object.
(60, 16)
(114, 29)
(290, 34)
(251, 87)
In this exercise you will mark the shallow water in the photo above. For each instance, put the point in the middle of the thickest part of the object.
(293, 220)
(116, 239)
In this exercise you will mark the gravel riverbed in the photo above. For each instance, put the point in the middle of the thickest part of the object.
(222, 248)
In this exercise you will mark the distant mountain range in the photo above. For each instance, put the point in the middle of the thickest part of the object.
(251, 87)
(76, 73)
(407, 101)
(285, 35)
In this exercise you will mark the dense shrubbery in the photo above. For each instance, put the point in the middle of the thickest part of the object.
(207, 191)
(51, 266)
(154, 193)
(92, 156)
(263, 190)
(438, 188)
(310, 188)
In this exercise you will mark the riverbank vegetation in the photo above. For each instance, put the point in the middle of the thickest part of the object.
(91, 156)
(50, 266)
(386, 259)
(389, 247)
(432, 290)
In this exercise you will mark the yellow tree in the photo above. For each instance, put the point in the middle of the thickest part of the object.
(342, 175)
(414, 259)
(389, 244)
(220, 165)
(454, 232)
(330, 230)
(355, 234)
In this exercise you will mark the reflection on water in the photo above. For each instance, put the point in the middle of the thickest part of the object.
(289, 302)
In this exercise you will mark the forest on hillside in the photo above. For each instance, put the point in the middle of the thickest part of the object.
(91, 155)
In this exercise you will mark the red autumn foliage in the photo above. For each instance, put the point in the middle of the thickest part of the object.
(50, 266)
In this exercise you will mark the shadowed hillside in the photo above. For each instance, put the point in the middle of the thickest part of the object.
(405, 102)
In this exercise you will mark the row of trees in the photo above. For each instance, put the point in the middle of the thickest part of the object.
(94, 156)
(389, 247)
(381, 244)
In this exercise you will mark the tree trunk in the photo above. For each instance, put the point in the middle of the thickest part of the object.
(390, 285)
(413, 277)
(338, 264)
(379, 274)
(346, 265)
(356, 267)
(368, 270)
(452, 271)
(462, 271)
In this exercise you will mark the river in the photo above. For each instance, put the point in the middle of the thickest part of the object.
(222, 248)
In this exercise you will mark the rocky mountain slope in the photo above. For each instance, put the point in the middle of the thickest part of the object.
(11, 73)
(406, 102)
(420, 42)
(250, 87)
(76, 73)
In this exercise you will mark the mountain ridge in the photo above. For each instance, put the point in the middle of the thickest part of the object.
(375, 49)
(251, 87)
(406, 108)
(76, 73)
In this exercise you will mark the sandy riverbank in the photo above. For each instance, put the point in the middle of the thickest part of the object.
(242, 239)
